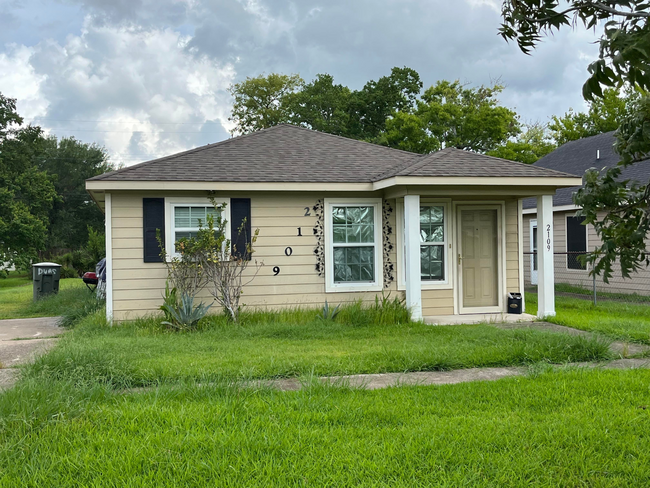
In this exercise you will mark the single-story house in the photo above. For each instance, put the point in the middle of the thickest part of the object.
(570, 236)
(339, 220)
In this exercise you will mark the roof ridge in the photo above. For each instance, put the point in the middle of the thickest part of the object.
(373, 144)
(224, 142)
(426, 158)
(182, 153)
(514, 163)
(409, 163)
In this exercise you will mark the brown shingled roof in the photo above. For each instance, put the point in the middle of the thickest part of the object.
(287, 153)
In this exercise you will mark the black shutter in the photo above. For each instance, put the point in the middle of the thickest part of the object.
(576, 241)
(153, 219)
(240, 226)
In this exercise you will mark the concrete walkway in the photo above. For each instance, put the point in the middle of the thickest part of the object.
(423, 378)
(623, 349)
(22, 340)
(375, 381)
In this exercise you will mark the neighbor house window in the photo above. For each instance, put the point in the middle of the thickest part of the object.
(433, 239)
(186, 216)
(576, 242)
(353, 231)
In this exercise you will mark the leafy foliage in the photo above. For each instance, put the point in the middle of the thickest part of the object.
(329, 313)
(263, 101)
(466, 118)
(27, 193)
(322, 105)
(624, 60)
(181, 313)
(391, 110)
(604, 115)
(209, 260)
(624, 45)
(530, 145)
(70, 163)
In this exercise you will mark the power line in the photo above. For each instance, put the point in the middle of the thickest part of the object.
(131, 131)
(37, 119)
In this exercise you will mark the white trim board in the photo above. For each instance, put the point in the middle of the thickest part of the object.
(330, 285)
(501, 254)
(446, 284)
(108, 216)
(559, 208)
(172, 202)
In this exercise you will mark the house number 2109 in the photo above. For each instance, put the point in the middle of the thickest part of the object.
(548, 237)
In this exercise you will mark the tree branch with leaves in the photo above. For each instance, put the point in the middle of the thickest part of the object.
(616, 207)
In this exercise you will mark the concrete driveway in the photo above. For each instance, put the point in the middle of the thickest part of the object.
(21, 340)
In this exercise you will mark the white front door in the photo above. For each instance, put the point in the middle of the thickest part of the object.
(533, 251)
(479, 259)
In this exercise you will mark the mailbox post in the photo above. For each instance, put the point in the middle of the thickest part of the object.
(46, 279)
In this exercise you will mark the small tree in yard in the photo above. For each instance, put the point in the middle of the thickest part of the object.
(209, 260)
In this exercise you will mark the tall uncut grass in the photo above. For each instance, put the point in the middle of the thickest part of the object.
(293, 343)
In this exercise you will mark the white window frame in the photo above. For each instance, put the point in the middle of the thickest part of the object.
(447, 283)
(377, 285)
(170, 206)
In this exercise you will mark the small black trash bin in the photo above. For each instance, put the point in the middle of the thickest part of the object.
(514, 303)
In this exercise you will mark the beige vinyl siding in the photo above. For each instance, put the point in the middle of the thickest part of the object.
(512, 247)
(138, 286)
(639, 283)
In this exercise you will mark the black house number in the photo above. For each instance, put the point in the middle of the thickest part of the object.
(548, 237)
(288, 251)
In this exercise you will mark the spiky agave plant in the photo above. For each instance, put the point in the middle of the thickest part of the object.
(329, 313)
(184, 314)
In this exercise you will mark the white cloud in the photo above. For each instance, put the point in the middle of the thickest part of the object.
(140, 92)
(19, 80)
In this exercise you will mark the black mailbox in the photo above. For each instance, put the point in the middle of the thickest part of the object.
(514, 303)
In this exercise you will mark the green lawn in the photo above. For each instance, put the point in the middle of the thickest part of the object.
(16, 298)
(619, 320)
(71, 422)
(293, 344)
(574, 428)
(14, 279)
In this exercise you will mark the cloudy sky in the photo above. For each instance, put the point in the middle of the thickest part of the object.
(147, 78)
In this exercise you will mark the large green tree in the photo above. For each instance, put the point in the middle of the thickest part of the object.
(603, 115)
(378, 100)
(69, 163)
(532, 143)
(322, 105)
(624, 60)
(26, 192)
(450, 114)
(263, 101)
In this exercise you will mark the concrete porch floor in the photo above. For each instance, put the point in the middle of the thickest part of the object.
(478, 318)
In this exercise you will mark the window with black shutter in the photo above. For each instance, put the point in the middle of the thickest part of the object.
(576, 241)
(240, 226)
(153, 222)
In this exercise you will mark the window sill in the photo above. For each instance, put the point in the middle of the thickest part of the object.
(429, 286)
(361, 287)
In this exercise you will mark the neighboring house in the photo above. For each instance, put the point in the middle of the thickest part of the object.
(339, 220)
(570, 237)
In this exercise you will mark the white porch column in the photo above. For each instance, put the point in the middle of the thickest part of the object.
(412, 249)
(545, 270)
